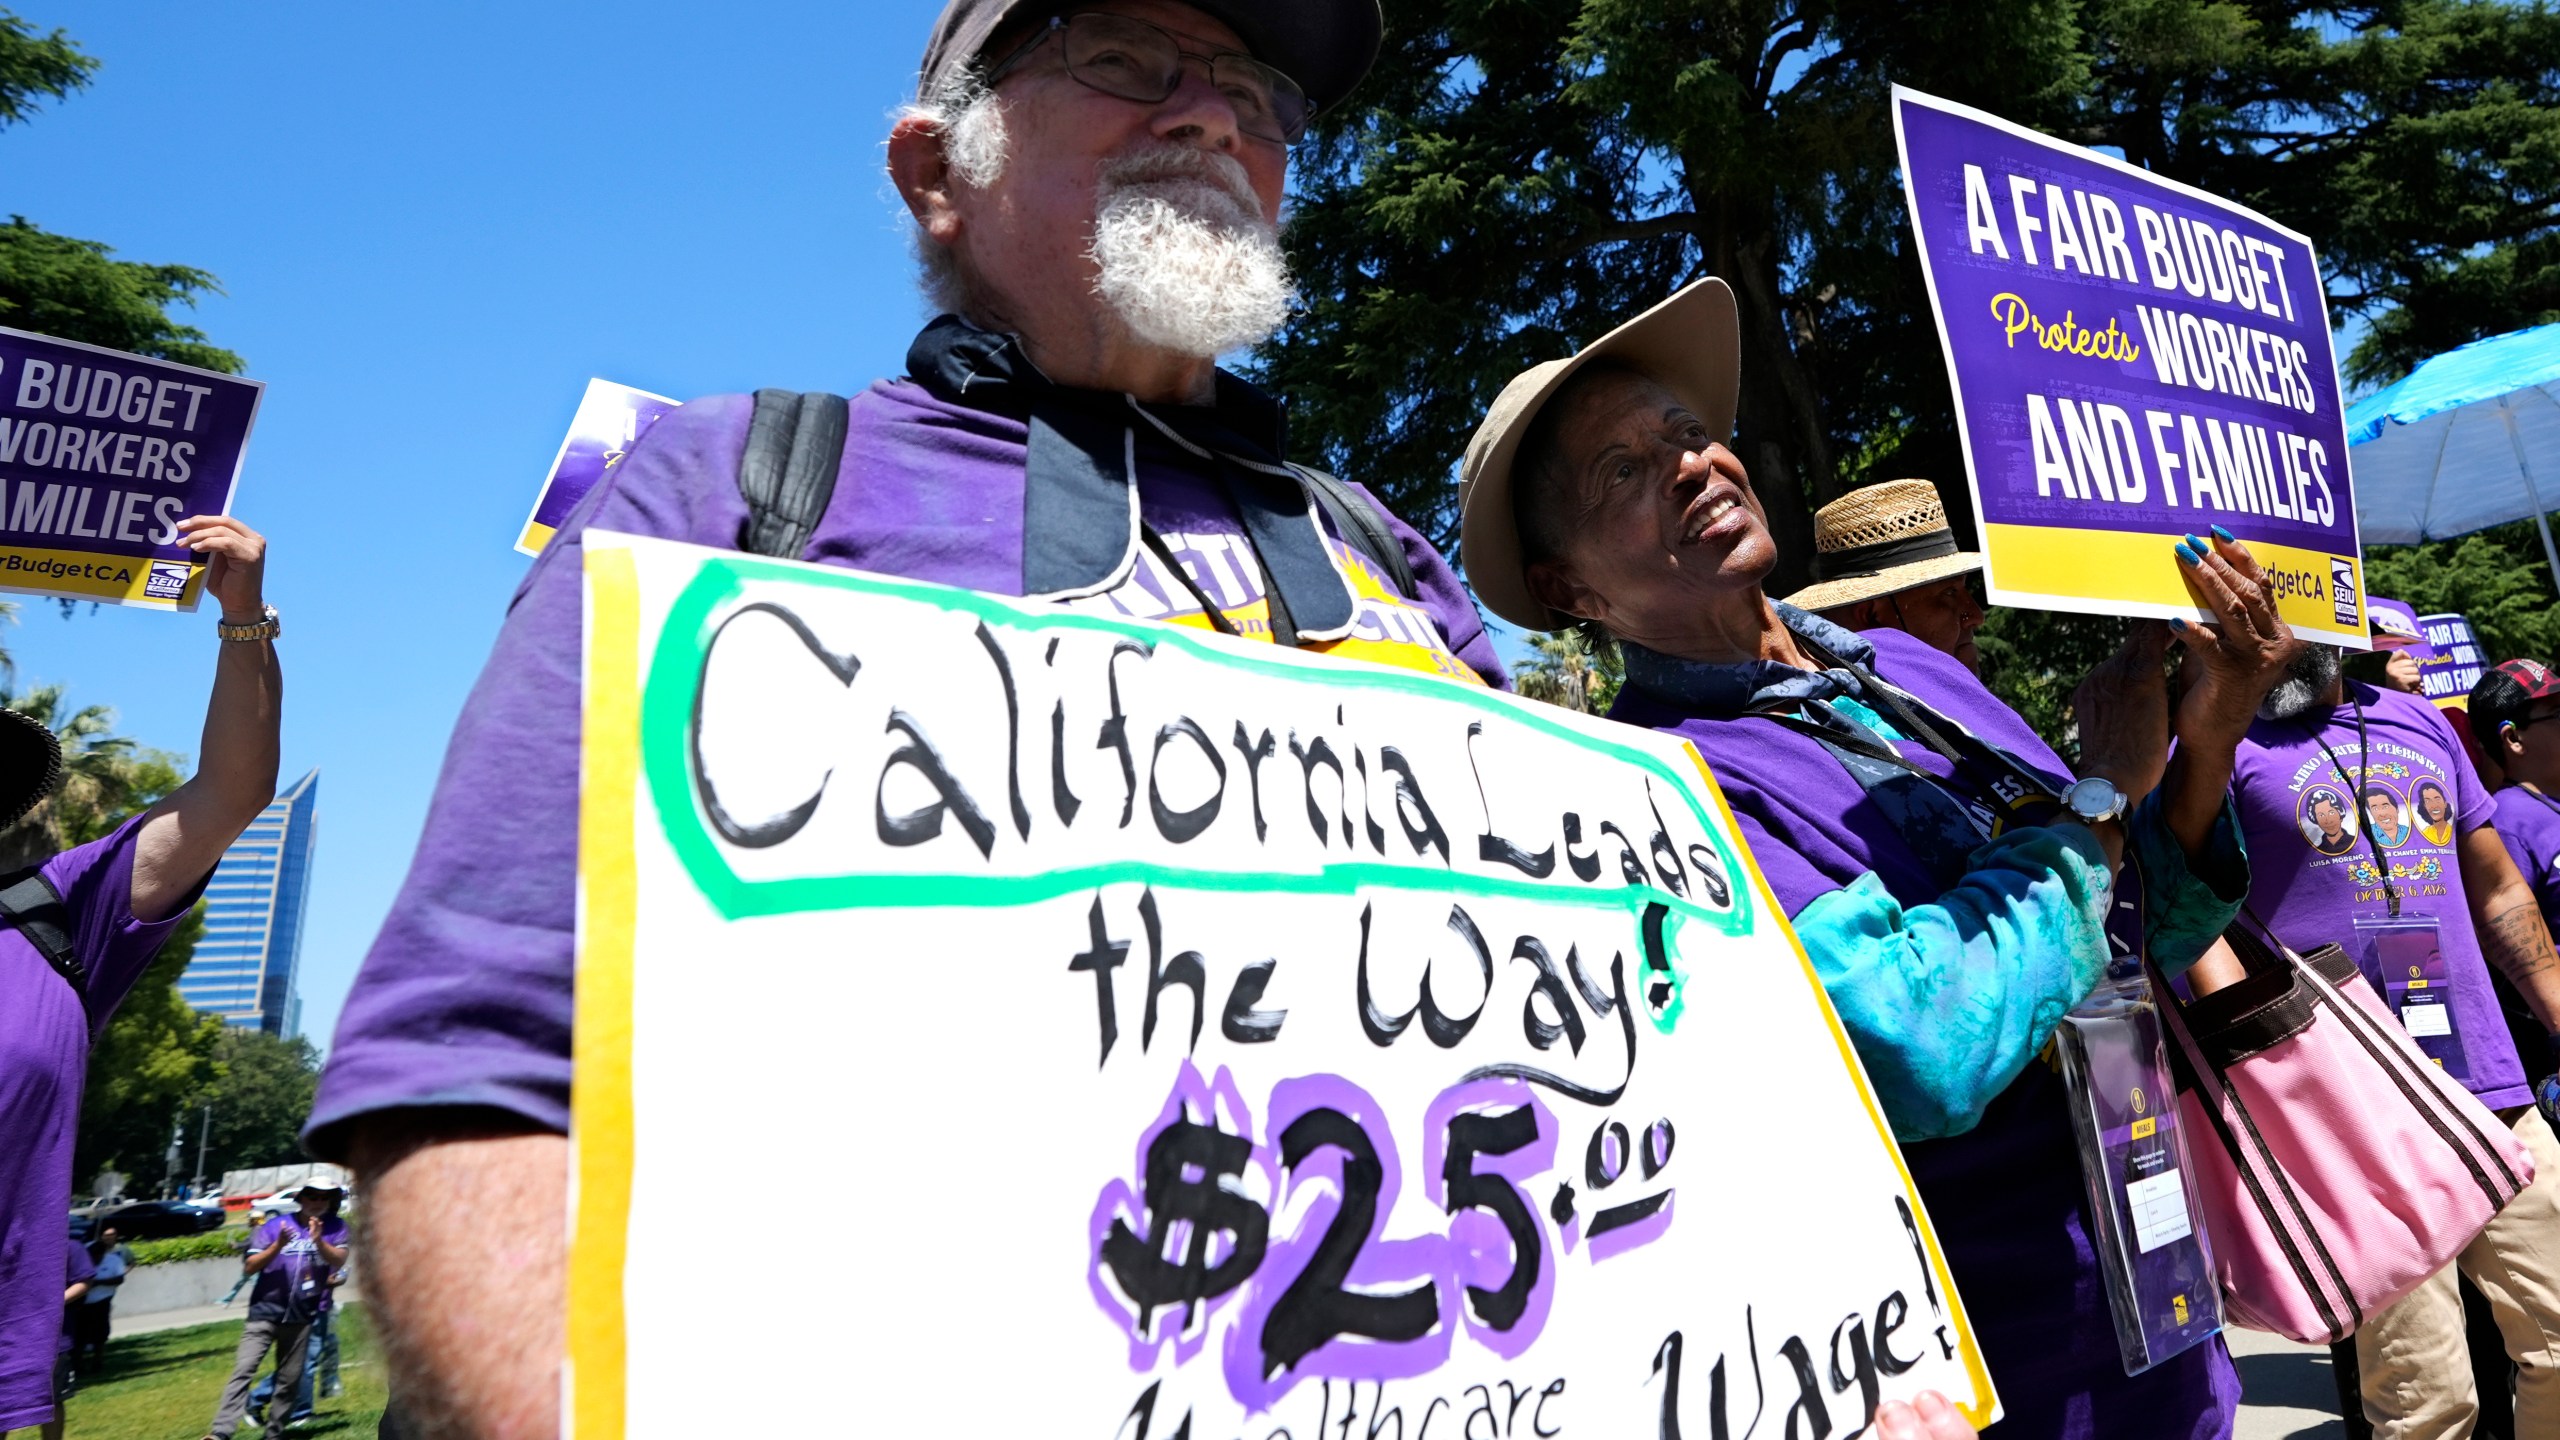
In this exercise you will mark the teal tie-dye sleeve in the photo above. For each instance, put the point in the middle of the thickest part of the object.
(2187, 902)
(1947, 1002)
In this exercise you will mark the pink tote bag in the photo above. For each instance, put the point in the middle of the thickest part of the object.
(2349, 1166)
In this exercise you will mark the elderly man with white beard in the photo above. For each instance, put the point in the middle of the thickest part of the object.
(1094, 189)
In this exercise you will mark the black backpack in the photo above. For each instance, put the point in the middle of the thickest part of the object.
(29, 902)
(795, 444)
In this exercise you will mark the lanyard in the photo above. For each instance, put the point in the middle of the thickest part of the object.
(2355, 790)
(2002, 781)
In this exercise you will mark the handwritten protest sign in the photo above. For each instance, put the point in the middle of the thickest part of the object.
(1204, 1038)
(2448, 657)
(101, 454)
(2133, 360)
(610, 420)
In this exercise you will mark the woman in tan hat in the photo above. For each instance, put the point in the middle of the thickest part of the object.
(1949, 877)
(1884, 555)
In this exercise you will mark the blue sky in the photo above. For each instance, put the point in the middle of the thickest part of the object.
(432, 226)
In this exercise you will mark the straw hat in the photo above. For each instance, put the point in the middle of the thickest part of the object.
(1879, 540)
(1690, 344)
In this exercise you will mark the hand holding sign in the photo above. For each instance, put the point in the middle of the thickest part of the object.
(237, 577)
(2239, 656)
(2122, 709)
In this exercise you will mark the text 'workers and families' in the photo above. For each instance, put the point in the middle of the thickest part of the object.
(2133, 360)
(101, 454)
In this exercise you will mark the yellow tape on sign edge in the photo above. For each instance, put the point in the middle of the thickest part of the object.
(1983, 1405)
(2084, 569)
(24, 571)
(600, 1122)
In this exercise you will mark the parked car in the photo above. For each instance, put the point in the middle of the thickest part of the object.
(159, 1219)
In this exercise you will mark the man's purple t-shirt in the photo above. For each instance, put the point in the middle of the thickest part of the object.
(294, 1288)
(2312, 831)
(44, 1057)
(465, 999)
(2006, 1197)
(2529, 824)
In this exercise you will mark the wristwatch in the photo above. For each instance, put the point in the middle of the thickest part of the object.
(266, 629)
(2094, 799)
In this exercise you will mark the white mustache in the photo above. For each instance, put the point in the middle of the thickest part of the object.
(1159, 164)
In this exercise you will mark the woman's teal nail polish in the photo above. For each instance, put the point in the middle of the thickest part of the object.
(2188, 557)
(2176, 623)
(2224, 536)
(2196, 545)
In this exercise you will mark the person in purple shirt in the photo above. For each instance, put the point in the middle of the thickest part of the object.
(91, 918)
(78, 1271)
(2427, 900)
(1094, 190)
(2519, 751)
(292, 1257)
(1947, 874)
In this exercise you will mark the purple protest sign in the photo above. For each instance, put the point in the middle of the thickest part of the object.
(101, 454)
(2448, 657)
(610, 420)
(2133, 360)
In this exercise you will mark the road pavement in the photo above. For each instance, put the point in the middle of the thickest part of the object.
(2286, 1392)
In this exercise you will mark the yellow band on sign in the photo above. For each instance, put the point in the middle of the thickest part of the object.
(535, 537)
(2068, 569)
(120, 579)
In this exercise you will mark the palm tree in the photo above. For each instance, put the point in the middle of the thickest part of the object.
(105, 777)
(1564, 669)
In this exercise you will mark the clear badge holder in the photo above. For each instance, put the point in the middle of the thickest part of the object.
(2133, 1160)
(2404, 958)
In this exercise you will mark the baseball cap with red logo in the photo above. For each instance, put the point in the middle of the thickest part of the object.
(2536, 678)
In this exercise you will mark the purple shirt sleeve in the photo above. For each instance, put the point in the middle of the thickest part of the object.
(465, 999)
(96, 884)
(1447, 601)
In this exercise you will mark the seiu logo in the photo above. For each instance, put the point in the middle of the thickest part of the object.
(167, 580)
(2342, 588)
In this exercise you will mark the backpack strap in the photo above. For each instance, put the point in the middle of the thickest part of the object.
(795, 445)
(29, 902)
(1364, 525)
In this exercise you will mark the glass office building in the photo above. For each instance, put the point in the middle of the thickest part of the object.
(243, 968)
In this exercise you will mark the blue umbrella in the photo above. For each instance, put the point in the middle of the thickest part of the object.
(2468, 440)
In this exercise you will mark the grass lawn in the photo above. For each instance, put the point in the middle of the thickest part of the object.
(163, 1386)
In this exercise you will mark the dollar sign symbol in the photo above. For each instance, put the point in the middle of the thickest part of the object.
(1184, 1165)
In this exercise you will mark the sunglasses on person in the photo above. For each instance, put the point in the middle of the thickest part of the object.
(1133, 60)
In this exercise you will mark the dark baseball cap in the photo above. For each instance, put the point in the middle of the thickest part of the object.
(1324, 45)
(2505, 695)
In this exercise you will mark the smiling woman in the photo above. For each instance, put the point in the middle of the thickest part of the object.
(1947, 874)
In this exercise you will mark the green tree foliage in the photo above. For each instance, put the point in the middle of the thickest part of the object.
(1565, 668)
(260, 1101)
(106, 777)
(154, 1059)
(2498, 578)
(77, 289)
(1519, 175)
(33, 67)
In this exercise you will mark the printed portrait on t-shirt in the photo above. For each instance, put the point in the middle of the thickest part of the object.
(2387, 813)
(2435, 813)
(2327, 822)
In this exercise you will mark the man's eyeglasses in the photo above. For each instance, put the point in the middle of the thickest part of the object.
(1137, 61)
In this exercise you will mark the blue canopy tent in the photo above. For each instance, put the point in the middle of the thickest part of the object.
(2468, 440)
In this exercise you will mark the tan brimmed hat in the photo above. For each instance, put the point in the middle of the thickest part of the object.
(1691, 344)
(1879, 540)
